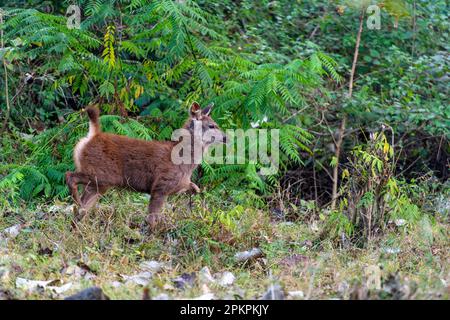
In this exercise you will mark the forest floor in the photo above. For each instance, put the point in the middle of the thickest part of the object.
(44, 255)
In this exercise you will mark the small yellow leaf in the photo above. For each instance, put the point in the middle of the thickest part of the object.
(386, 147)
(345, 174)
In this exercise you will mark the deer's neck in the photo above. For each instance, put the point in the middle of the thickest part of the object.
(196, 155)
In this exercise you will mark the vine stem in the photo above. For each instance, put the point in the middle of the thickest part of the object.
(341, 132)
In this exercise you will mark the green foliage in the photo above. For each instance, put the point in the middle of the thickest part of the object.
(338, 224)
(9, 186)
(150, 70)
(228, 219)
(372, 196)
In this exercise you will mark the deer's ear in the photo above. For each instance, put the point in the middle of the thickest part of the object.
(196, 110)
(208, 109)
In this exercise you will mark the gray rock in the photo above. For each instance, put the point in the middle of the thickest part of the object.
(274, 292)
(186, 279)
(92, 293)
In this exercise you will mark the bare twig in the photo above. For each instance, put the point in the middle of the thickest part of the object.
(8, 107)
(413, 49)
(313, 33)
(342, 127)
(294, 114)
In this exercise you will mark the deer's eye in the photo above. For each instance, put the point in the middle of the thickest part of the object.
(211, 126)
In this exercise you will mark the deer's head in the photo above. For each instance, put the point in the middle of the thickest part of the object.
(203, 127)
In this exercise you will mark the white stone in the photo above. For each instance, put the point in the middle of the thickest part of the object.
(296, 294)
(13, 231)
(30, 285)
(162, 296)
(153, 266)
(207, 296)
(61, 289)
(227, 279)
(205, 276)
(141, 279)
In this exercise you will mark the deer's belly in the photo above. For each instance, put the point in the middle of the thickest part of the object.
(183, 186)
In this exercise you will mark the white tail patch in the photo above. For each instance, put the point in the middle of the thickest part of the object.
(80, 146)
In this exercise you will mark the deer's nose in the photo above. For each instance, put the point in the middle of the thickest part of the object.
(225, 139)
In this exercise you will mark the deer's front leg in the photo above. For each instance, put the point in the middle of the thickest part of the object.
(195, 187)
(154, 210)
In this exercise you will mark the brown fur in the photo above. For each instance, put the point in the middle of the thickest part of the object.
(106, 160)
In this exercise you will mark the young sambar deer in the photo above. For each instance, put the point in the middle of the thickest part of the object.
(105, 160)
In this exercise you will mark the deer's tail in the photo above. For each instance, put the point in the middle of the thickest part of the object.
(94, 122)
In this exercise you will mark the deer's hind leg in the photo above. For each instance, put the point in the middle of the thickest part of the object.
(73, 179)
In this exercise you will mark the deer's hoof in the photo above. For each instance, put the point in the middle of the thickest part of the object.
(153, 221)
(79, 214)
(195, 188)
(156, 224)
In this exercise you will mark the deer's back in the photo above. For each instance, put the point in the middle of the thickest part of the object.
(116, 160)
